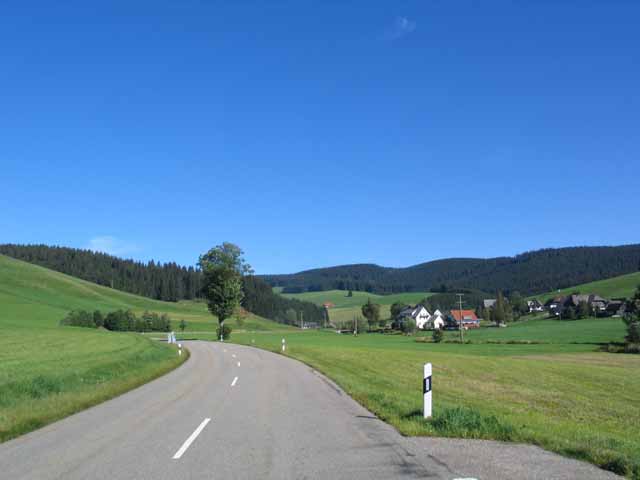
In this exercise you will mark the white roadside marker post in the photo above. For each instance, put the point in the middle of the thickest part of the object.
(426, 390)
(283, 345)
(179, 349)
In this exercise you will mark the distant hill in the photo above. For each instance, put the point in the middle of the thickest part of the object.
(530, 273)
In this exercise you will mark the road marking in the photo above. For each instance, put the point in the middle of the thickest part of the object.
(238, 363)
(233, 384)
(190, 440)
(233, 355)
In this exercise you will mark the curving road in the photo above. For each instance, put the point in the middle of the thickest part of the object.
(234, 412)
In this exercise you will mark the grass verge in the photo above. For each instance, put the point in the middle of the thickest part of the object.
(51, 373)
(566, 398)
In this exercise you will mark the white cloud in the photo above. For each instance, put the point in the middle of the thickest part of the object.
(401, 27)
(111, 245)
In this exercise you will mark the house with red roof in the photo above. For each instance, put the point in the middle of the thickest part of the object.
(468, 318)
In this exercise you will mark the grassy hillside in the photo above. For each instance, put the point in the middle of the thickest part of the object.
(36, 296)
(346, 307)
(49, 372)
(622, 286)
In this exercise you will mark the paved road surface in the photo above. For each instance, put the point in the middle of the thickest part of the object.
(270, 418)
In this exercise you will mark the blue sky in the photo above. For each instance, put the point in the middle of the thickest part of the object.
(320, 133)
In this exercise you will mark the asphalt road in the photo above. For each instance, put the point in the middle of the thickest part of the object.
(270, 417)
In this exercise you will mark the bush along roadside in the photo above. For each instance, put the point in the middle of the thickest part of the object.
(118, 321)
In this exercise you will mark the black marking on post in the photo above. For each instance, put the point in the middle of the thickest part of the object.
(426, 385)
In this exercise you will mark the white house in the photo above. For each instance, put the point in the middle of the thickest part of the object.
(436, 321)
(420, 314)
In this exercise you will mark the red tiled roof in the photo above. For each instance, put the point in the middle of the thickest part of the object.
(467, 315)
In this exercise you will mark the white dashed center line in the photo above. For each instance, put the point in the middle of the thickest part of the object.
(190, 440)
(234, 382)
(238, 363)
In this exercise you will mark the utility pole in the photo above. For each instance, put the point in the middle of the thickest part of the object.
(301, 320)
(355, 325)
(461, 317)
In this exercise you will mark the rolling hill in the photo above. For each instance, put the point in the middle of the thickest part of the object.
(530, 273)
(38, 297)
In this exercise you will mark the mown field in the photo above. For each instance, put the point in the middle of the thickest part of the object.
(566, 397)
(589, 331)
(49, 371)
(345, 307)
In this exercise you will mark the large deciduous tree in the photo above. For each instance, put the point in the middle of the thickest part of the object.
(632, 319)
(222, 269)
(396, 308)
(371, 312)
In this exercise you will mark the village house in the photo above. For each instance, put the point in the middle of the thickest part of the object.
(555, 305)
(468, 318)
(596, 303)
(489, 303)
(418, 313)
(616, 308)
(535, 305)
(435, 321)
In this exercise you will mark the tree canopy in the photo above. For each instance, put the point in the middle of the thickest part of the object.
(223, 268)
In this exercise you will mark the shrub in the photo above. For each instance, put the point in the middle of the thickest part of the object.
(79, 318)
(118, 320)
(226, 332)
(408, 326)
(633, 327)
(617, 464)
(632, 348)
(98, 319)
(438, 335)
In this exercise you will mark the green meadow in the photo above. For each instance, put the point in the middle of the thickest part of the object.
(49, 371)
(545, 330)
(345, 308)
(568, 397)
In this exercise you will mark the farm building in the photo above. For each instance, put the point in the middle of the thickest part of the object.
(616, 308)
(535, 306)
(489, 303)
(557, 305)
(468, 318)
